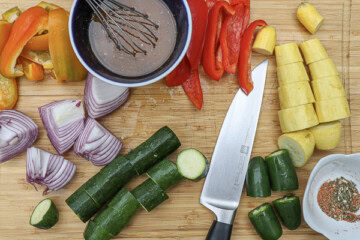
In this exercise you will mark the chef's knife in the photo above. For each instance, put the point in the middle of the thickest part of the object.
(224, 183)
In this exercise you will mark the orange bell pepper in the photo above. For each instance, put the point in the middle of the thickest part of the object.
(8, 93)
(29, 23)
(4, 33)
(32, 70)
(38, 43)
(40, 57)
(66, 65)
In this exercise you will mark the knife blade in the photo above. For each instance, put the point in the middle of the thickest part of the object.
(224, 183)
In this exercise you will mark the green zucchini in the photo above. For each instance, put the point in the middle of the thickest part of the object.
(257, 179)
(165, 174)
(192, 164)
(289, 210)
(149, 195)
(156, 148)
(265, 222)
(282, 171)
(45, 215)
(101, 188)
(118, 213)
(95, 232)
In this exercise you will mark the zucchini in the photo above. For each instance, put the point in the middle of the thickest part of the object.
(45, 215)
(95, 232)
(265, 222)
(101, 188)
(257, 179)
(118, 213)
(156, 148)
(282, 171)
(289, 211)
(192, 164)
(165, 174)
(149, 195)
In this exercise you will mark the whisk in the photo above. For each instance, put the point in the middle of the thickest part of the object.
(129, 29)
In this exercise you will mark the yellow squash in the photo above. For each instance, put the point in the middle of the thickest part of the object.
(322, 69)
(290, 73)
(287, 53)
(327, 135)
(309, 17)
(297, 118)
(295, 94)
(265, 41)
(313, 51)
(332, 109)
(328, 88)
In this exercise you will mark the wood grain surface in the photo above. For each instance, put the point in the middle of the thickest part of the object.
(151, 107)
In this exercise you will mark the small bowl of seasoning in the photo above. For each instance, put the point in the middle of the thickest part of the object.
(331, 204)
(130, 43)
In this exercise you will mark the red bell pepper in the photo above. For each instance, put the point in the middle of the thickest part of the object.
(211, 3)
(245, 81)
(246, 15)
(230, 39)
(192, 88)
(212, 40)
(180, 74)
(199, 15)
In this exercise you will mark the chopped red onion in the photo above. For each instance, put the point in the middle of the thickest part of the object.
(97, 144)
(47, 169)
(64, 122)
(102, 98)
(17, 133)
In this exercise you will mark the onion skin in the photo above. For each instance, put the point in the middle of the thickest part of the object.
(17, 133)
(95, 109)
(97, 144)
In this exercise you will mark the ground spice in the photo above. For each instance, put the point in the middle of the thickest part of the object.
(340, 200)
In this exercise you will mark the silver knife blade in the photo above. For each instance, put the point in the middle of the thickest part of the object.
(224, 183)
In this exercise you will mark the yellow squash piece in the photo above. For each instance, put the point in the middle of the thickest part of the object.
(300, 145)
(287, 53)
(297, 118)
(322, 69)
(295, 94)
(332, 109)
(294, 72)
(265, 41)
(40, 57)
(309, 17)
(328, 88)
(327, 135)
(313, 51)
(11, 15)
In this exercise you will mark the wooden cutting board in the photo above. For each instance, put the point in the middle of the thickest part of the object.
(151, 107)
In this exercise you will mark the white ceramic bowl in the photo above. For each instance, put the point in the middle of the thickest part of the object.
(330, 168)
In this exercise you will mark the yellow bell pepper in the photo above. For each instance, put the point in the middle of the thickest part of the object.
(66, 65)
(39, 57)
(32, 70)
(38, 43)
(29, 23)
(8, 93)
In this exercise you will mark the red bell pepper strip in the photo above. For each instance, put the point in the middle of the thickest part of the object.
(230, 39)
(245, 81)
(180, 74)
(212, 41)
(192, 88)
(211, 3)
(235, 2)
(199, 15)
(246, 15)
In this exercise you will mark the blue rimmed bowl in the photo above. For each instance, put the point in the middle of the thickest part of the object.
(80, 18)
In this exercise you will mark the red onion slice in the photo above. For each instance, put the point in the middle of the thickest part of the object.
(97, 144)
(47, 169)
(17, 133)
(102, 98)
(64, 122)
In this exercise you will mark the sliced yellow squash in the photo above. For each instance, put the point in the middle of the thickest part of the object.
(309, 17)
(287, 53)
(328, 88)
(265, 41)
(322, 69)
(327, 135)
(297, 118)
(295, 94)
(332, 109)
(313, 51)
(294, 72)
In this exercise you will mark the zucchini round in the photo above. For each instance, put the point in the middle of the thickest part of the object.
(165, 174)
(289, 210)
(257, 179)
(192, 164)
(45, 215)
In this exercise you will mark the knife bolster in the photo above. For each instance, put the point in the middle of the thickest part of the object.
(222, 215)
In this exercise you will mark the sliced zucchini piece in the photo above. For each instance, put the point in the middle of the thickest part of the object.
(82, 205)
(165, 174)
(149, 195)
(192, 164)
(289, 210)
(45, 215)
(257, 179)
(95, 232)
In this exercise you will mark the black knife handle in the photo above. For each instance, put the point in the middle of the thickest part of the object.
(219, 231)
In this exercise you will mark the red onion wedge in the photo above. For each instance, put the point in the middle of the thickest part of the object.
(47, 169)
(97, 144)
(102, 98)
(17, 133)
(64, 122)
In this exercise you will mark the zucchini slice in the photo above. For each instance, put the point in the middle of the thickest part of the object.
(95, 232)
(82, 205)
(265, 222)
(165, 174)
(289, 210)
(149, 195)
(282, 171)
(192, 164)
(156, 148)
(257, 179)
(45, 215)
